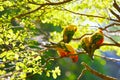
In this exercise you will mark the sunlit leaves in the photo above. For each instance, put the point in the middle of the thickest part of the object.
(56, 37)
(32, 6)
(9, 55)
(1, 8)
(7, 3)
(48, 73)
(20, 65)
(55, 73)
(22, 75)
(2, 72)
(2, 65)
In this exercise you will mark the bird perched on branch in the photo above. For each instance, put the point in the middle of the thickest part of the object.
(85, 43)
(68, 33)
(66, 50)
(97, 38)
(92, 42)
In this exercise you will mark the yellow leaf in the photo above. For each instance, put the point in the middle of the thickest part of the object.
(48, 73)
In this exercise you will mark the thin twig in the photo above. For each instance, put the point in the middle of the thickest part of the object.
(9, 68)
(82, 73)
(110, 44)
(51, 3)
(115, 31)
(49, 59)
(40, 6)
(9, 74)
(43, 50)
(88, 15)
(80, 37)
(118, 44)
(24, 14)
(110, 25)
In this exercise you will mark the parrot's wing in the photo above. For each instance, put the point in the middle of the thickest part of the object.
(67, 36)
(96, 38)
(68, 33)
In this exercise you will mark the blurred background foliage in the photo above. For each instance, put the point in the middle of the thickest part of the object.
(21, 55)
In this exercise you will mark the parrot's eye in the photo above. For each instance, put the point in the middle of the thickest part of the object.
(101, 31)
(75, 29)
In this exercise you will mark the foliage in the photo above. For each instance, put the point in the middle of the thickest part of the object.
(29, 27)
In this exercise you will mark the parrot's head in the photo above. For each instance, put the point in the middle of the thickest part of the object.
(100, 30)
(71, 28)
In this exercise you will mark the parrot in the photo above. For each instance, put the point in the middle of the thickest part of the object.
(86, 43)
(68, 33)
(92, 42)
(97, 38)
(66, 50)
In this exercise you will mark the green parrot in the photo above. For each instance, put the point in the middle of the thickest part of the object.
(92, 42)
(85, 43)
(68, 33)
(97, 38)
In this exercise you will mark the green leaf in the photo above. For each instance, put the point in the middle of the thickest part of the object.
(23, 75)
(56, 72)
(48, 73)
(1, 8)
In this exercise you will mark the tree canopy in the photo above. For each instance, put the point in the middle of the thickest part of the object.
(30, 31)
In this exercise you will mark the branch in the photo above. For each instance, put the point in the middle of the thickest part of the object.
(115, 14)
(111, 25)
(116, 43)
(82, 73)
(41, 5)
(9, 68)
(51, 3)
(50, 59)
(43, 50)
(80, 37)
(116, 6)
(9, 74)
(6, 75)
(1, 62)
(21, 15)
(110, 44)
(115, 31)
(91, 15)
(104, 77)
